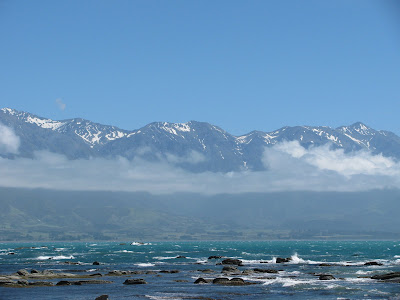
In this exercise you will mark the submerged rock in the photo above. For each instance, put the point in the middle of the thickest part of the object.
(215, 257)
(135, 281)
(326, 277)
(230, 269)
(258, 270)
(102, 297)
(96, 263)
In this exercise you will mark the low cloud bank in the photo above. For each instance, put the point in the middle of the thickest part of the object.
(290, 167)
(9, 141)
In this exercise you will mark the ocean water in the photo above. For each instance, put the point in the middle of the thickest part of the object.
(295, 280)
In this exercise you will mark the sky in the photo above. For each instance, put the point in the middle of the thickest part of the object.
(241, 65)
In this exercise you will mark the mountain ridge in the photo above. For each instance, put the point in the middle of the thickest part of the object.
(195, 146)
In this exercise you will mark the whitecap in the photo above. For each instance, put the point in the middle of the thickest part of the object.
(145, 265)
(55, 257)
(164, 257)
(124, 251)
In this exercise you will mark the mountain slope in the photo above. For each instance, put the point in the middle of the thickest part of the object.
(194, 146)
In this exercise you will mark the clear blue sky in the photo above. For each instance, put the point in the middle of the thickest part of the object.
(241, 65)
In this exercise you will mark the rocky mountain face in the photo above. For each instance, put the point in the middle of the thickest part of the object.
(194, 146)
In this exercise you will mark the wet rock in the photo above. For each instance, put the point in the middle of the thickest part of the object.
(232, 261)
(232, 282)
(280, 260)
(151, 272)
(326, 277)
(135, 281)
(71, 263)
(33, 271)
(11, 253)
(325, 265)
(23, 272)
(258, 270)
(180, 256)
(23, 282)
(169, 271)
(387, 276)
(373, 263)
(96, 275)
(215, 257)
(96, 263)
(247, 272)
(221, 280)
(200, 281)
(181, 280)
(5, 281)
(48, 273)
(115, 273)
(64, 282)
(102, 297)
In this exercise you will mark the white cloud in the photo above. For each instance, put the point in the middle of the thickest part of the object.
(61, 104)
(290, 168)
(9, 141)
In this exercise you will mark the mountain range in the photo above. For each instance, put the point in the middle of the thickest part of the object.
(194, 146)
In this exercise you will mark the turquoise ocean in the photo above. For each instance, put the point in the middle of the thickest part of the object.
(296, 279)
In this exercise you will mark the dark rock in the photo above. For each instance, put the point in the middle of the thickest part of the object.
(221, 280)
(71, 263)
(23, 282)
(23, 272)
(96, 263)
(280, 260)
(181, 280)
(33, 271)
(135, 281)
(247, 272)
(200, 281)
(102, 297)
(386, 276)
(64, 282)
(151, 272)
(115, 273)
(215, 257)
(258, 270)
(237, 281)
(325, 265)
(6, 282)
(96, 275)
(48, 272)
(169, 271)
(180, 256)
(232, 282)
(11, 253)
(373, 263)
(326, 277)
(232, 261)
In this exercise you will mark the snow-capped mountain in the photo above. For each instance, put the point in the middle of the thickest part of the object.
(195, 146)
